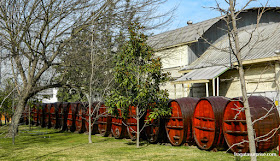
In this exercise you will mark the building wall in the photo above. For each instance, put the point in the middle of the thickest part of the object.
(173, 59)
(51, 93)
(260, 79)
(170, 86)
(53, 97)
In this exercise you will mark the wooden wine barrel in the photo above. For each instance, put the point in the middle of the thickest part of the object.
(25, 115)
(59, 116)
(47, 114)
(179, 125)
(104, 121)
(131, 123)
(155, 129)
(207, 122)
(72, 109)
(80, 121)
(32, 114)
(94, 122)
(36, 114)
(41, 121)
(235, 127)
(44, 115)
(63, 115)
(54, 115)
(119, 130)
(87, 118)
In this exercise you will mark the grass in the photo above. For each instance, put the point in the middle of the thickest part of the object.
(50, 144)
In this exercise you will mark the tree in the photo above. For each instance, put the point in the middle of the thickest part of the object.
(87, 62)
(138, 77)
(236, 49)
(237, 53)
(68, 95)
(33, 35)
(88, 58)
(7, 99)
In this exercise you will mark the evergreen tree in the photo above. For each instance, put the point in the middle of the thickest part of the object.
(138, 77)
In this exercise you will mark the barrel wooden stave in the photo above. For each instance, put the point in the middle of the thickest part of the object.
(179, 125)
(155, 129)
(118, 128)
(104, 121)
(207, 123)
(235, 127)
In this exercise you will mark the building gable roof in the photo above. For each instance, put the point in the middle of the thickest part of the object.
(182, 35)
(264, 41)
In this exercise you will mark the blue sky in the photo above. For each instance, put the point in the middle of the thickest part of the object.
(199, 10)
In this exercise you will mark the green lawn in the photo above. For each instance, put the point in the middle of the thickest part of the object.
(49, 144)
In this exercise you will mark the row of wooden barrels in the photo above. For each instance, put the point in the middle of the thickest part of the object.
(210, 123)
(67, 116)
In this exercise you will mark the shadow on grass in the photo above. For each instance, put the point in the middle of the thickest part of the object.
(56, 152)
(142, 143)
(38, 136)
(72, 147)
(102, 140)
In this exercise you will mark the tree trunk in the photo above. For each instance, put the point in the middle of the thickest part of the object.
(90, 81)
(138, 128)
(250, 129)
(15, 119)
(89, 118)
(237, 48)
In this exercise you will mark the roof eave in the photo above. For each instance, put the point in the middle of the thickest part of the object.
(261, 60)
(177, 45)
(244, 62)
(191, 81)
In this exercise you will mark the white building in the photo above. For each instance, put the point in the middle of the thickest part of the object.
(198, 69)
(48, 95)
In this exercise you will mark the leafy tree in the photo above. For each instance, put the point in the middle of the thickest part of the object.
(77, 61)
(7, 98)
(138, 77)
(87, 64)
(6, 104)
(68, 95)
(88, 57)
